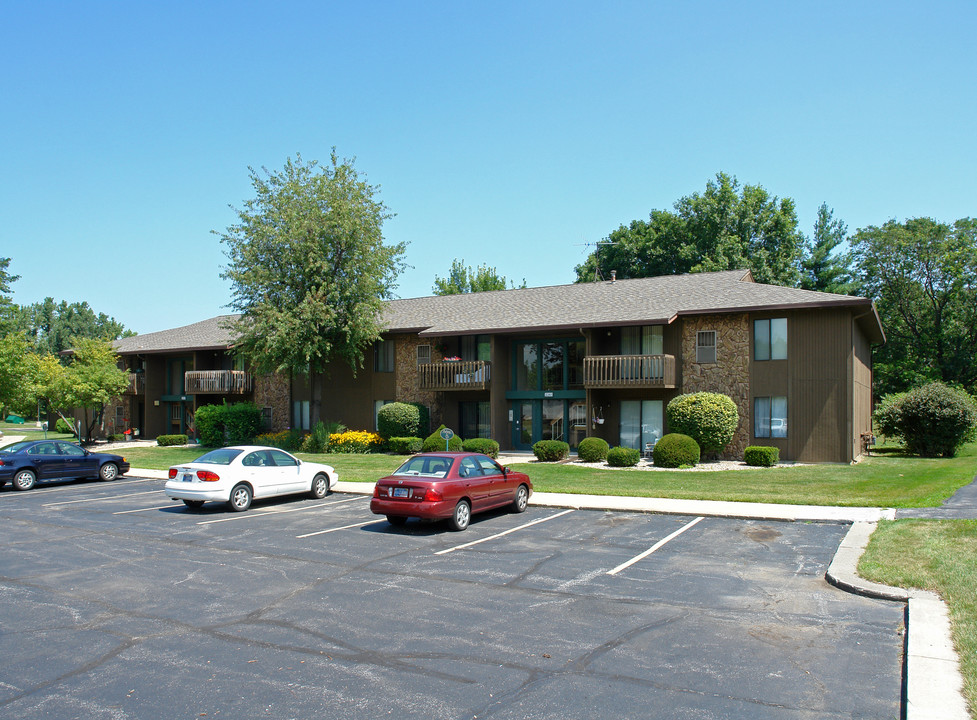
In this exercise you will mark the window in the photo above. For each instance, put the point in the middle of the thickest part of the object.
(641, 423)
(475, 419)
(770, 339)
(770, 417)
(423, 354)
(383, 358)
(705, 346)
(476, 347)
(266, 418)
(377, 404)
(300, 414)
(644, 340)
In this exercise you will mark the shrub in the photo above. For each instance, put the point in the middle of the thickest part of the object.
(761, 456)
(593, 449)
(405, 445)
(317, 441)
(481, 445)
(63, 427)
(167, 440)
(551, 450)
(708, 418)
(284, 439)
(399, 419)
(623, 457)
(220, 425)
(355, 441)
(116, 437)
(676, 450)
(887, 417)
(435, 443)
(935, 420)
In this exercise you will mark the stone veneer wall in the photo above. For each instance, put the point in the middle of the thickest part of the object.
(729, 375)
(408, 377)
(274, 391)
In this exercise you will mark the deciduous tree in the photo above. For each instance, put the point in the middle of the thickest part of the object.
(309, 269)
(465, 279)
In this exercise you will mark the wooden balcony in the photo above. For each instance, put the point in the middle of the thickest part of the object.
(629, 371)
(463, 375)
(217, 382)
(137, 384)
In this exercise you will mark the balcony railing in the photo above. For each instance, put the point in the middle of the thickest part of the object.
(137, 384)
(463, 375)
(217, 382)
(627, 371)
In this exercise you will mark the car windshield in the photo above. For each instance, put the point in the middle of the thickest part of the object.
(427, 466)
(218, 457)
(14, 447)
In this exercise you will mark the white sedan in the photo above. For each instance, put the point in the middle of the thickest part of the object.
(237, 475)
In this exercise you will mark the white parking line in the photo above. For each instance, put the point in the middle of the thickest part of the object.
(157, 507)
(501, 534)
(97, 499)
(649, 551)
(271, 511)
(336, 529)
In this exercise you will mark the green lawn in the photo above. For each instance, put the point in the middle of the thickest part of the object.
(936, 555)
(885, 480)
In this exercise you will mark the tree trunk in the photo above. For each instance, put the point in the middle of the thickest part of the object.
(315, 399)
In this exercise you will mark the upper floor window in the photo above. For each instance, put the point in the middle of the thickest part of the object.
(423, 354)
(642, 340)
(383, 359)
(770, 339)
(705, 346)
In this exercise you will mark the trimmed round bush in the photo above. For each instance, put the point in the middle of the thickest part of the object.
(398, 419)
(676, 450)
(936, 419)
(592, 449)
(623, 457)
(405, 445)
(708, 418)
(887, 417)
(485, 446)
(551, 450)
(435, 443)
(761, 456)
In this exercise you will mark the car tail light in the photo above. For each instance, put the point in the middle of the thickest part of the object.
(376, 491)
(172, 473)
(208, 476)
(432, 495)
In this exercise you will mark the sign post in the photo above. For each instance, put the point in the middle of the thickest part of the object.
(447, 434)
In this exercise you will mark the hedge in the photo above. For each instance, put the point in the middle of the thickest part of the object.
(405, 445)
(398, 419)
(936, 419)
(592, 449)
(761, 456)
(623, 457)
(708, 418)
(435, 443)
(676, 450)
(551, 450)
(167, 440)
(220, 425)
(481, 445)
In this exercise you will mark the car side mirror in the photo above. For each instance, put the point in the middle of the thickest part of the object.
(505, 471)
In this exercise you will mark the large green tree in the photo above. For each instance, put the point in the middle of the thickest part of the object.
(465, 279)
(824, 267)
(7, 307)
(923, 277)
(309, 269)
(53, 327)
(726, 227)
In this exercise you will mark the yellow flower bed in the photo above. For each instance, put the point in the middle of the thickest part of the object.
(355, 441)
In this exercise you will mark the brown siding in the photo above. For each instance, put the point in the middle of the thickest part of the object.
(861, 388)
(819, 419)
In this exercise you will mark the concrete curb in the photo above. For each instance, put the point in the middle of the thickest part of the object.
(934, 685)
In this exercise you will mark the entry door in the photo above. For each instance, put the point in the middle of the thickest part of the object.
(536, 420)
(524, 429)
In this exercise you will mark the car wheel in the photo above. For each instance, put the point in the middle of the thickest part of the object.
(24, 480)
(320, 486)
(461, 516)
(396, 519)
(240, 498)
(193, 503)
(109, 471)
(521, 500)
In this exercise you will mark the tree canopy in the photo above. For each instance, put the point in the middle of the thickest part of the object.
(465, 279)
(53, 327)
(309, 269)
(7, 307)
(823, 267)
(923, 277)
(726, 227)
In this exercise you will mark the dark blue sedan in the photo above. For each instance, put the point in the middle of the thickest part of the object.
(24, 463)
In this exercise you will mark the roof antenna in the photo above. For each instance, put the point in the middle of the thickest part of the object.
(598, 276)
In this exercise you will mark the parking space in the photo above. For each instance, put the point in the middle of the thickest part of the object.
(119, 603)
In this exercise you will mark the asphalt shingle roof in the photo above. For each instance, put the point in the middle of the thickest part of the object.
(644, 301)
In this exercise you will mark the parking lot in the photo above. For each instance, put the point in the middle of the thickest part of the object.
(118, 603)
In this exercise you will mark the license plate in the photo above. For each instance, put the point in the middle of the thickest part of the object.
(401, 492)
(188, 478)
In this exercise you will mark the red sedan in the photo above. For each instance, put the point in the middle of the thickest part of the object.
(452, 486)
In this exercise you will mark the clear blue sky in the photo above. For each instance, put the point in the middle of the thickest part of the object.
(505, 133)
